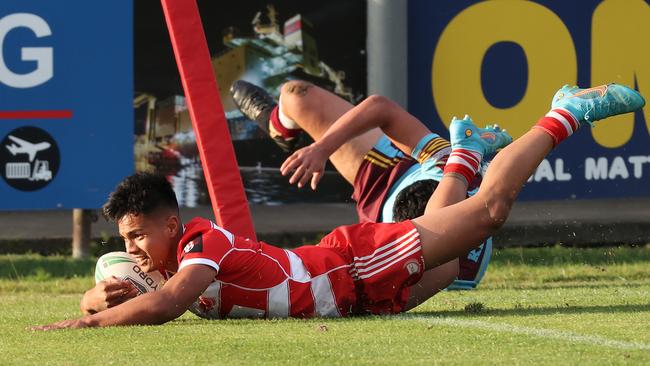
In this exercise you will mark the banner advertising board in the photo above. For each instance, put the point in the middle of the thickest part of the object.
(502, 61)
(66, 102)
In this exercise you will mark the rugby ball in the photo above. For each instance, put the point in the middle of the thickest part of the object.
(123, 266)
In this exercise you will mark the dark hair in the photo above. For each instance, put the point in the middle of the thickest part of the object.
(140, 193)
(412, 200)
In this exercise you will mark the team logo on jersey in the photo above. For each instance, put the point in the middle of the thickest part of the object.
(195, 246)
(412, 266)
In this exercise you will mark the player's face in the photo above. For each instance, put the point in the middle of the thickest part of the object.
(151, 239)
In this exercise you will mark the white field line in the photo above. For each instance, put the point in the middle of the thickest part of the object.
(529, 331)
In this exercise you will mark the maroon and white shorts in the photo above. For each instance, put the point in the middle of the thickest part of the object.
(380, 169)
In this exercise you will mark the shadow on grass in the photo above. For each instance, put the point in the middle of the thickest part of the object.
(535, 311)
(522, 312)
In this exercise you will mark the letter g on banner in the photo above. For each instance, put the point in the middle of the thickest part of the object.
(42, 55)
(458, 57)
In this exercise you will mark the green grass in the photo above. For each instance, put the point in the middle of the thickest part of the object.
(536, 306)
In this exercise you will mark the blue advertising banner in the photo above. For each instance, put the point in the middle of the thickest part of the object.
(66, 102)
(502, 61)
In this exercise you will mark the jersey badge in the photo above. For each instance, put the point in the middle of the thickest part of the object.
(195, 246)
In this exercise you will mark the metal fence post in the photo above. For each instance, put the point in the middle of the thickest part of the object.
(387, 49)
(81, 232)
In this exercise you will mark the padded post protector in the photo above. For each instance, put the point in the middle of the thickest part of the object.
(206, 111)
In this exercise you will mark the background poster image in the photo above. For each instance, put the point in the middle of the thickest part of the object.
(266, 44)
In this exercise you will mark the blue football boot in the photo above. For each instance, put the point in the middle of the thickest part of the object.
(593, 104)
(465, 135)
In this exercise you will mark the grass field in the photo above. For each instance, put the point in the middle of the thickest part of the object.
(542, 306)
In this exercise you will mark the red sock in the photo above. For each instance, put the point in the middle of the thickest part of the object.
(559, 123)
(463, 162)
(279, 127)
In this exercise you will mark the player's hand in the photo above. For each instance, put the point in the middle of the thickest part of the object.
(64, 324)
(306, 164)
(106, 294)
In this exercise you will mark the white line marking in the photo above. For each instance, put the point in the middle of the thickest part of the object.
(535, 332)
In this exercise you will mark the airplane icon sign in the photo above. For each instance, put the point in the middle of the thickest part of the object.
(26, 147)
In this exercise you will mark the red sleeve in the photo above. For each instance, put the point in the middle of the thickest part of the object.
(208, 248)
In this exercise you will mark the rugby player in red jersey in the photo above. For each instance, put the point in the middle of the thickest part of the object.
(366, 268)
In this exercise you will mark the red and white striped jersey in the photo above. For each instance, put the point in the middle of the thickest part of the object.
(255, 279)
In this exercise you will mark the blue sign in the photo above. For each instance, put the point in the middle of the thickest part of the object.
(502, 61)
(66, 102)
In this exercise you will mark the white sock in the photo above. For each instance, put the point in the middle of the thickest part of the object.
(285, 120)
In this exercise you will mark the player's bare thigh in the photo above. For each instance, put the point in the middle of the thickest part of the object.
(315, 110)
(448, 232)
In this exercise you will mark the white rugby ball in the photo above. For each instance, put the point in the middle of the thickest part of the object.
(123, 266)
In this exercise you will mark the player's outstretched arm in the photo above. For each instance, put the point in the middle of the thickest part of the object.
(151, 308)
(375, 111)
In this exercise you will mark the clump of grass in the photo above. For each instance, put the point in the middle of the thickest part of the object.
(40, 274)
(475, 308)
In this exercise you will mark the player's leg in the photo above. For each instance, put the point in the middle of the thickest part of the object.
(452, 191)
(315, 109)
(448, 192)
(304, 106)
(433, 281)
(445, 233)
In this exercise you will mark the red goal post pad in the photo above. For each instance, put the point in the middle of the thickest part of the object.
(208, 119)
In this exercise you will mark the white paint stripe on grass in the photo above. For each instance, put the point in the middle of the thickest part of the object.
(535, 332)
